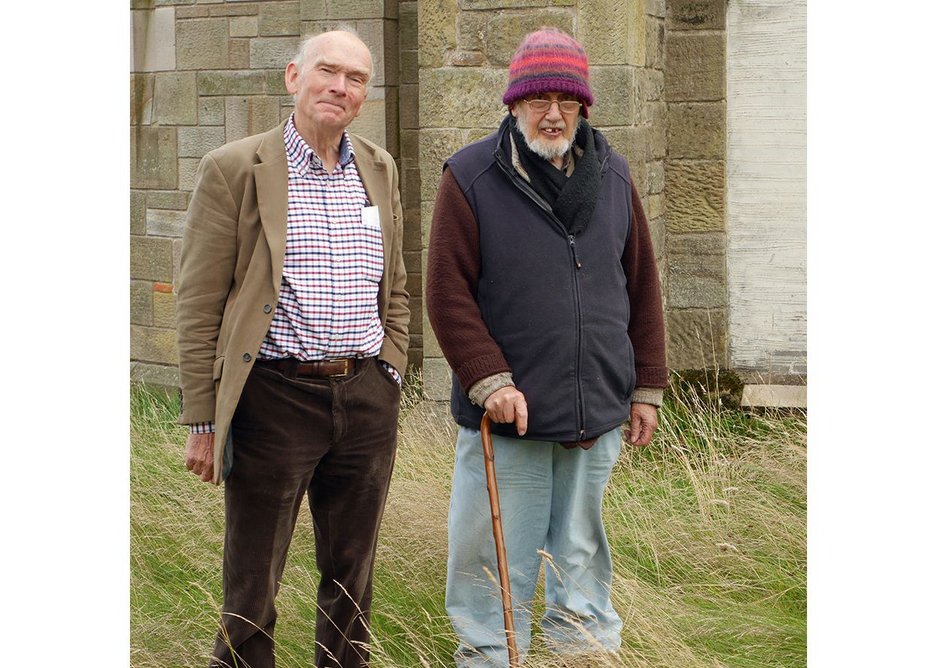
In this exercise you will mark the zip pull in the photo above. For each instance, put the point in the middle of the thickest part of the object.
(572, 244)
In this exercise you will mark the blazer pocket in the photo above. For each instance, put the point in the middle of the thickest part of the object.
(216, 368)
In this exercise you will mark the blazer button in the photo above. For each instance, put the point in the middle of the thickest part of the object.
(267, 308)
(246, 357)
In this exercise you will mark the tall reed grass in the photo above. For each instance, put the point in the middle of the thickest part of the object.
(707, 527)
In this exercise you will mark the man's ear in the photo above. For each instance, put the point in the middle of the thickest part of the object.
(290, 77)
(513, 110)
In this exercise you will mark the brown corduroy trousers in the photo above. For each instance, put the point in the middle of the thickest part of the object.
(334, 441)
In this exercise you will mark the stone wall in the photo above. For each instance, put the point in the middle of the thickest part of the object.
(695, 90)
(727, 217)
(465, 48)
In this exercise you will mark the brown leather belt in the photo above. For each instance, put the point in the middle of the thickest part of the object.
(293, 368)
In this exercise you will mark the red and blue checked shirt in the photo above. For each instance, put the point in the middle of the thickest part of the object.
(327, 306)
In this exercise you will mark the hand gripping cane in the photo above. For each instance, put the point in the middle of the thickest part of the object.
(513, 659)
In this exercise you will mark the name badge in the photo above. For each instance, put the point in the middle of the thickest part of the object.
(371, 217)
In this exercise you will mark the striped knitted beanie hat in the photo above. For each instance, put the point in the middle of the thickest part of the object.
(549, 60)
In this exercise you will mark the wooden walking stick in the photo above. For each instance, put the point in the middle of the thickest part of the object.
(513, 659)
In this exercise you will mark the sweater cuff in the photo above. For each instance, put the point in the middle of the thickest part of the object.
(648, 395)
(483, 388)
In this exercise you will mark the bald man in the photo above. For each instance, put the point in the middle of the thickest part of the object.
(292, 328)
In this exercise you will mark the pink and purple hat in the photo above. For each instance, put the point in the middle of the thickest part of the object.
(549, 60)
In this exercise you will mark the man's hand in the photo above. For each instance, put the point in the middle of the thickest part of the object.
(508, 405)
(200, 455)
(643, 423)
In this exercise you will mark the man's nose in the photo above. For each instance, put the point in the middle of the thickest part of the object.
(553, 113)
(338, 83)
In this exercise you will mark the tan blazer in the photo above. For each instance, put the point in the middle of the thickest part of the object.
(232, 262)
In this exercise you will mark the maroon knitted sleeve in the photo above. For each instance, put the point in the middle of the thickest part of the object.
(646, 328)
(452, 269)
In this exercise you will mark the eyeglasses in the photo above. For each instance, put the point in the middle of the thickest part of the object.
(565, 106)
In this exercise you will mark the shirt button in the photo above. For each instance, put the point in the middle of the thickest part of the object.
(267, 308)
(246, 357)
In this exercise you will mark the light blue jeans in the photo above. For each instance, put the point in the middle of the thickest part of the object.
(551, 501)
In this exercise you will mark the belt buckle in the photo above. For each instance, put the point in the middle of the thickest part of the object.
(343, 372)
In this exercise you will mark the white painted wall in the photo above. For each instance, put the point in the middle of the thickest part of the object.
(766, 184)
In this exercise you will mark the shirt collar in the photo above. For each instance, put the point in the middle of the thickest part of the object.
(301, 156)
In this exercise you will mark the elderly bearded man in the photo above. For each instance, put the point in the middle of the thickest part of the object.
(292, 325)
(543, 292)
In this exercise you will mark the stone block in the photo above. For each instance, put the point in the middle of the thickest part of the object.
(659, 240)
(176, 99)
(650, 84)
(237, 8)
(137, 212)
(695, 196)
(164, 310)
(513, 4)
(472, 30)
(414, 283)
(163, 223)
(467, 59)
(411, 180)
(153, 39)
(437, 31)
(176, 257)
(239, 53)
(506, 30)
(153, 158)
(655, 177)
(695, 67)
(435, 148)
(279, 19)
(614, 90)
(249, 115)
(696, 338)
(313, 10)
(371, 122)
(167, 199)
(631, 142)
(244, 26)
(142, 92)
(196, 142)
(157, 375)
(232, 83)
(193, 12)
(412, 232)
(774, 396)
(696, 15)
(461, 97)
(696, 270)
(408, 26)
(141, 303)
(153, 344)
(437, 377)
(657, 134)
(410, 106)
(275, 84)
(656, 8)
(391, 114)
(426, 219)
(202, 44)
(372, 34)
(409, 67)
(697, 131)
(151, 259)
(188, 167)
(655, 36)
(356, 9)
(211, 111)
(272, 52)
(613, 32)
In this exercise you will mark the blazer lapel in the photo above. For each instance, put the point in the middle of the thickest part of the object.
(271, 178)
(377, 185)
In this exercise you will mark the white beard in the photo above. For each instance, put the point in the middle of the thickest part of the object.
(546, 148)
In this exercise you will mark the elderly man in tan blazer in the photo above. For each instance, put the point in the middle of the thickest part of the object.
(292, 327)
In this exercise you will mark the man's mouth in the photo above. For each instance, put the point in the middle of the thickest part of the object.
(552, 132)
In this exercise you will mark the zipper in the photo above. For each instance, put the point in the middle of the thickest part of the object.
(525, 188)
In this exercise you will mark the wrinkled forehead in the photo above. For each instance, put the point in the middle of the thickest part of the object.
(341, 50)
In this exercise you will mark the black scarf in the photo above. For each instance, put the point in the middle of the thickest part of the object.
(572, 198)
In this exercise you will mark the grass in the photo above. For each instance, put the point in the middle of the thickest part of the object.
(707, 527)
